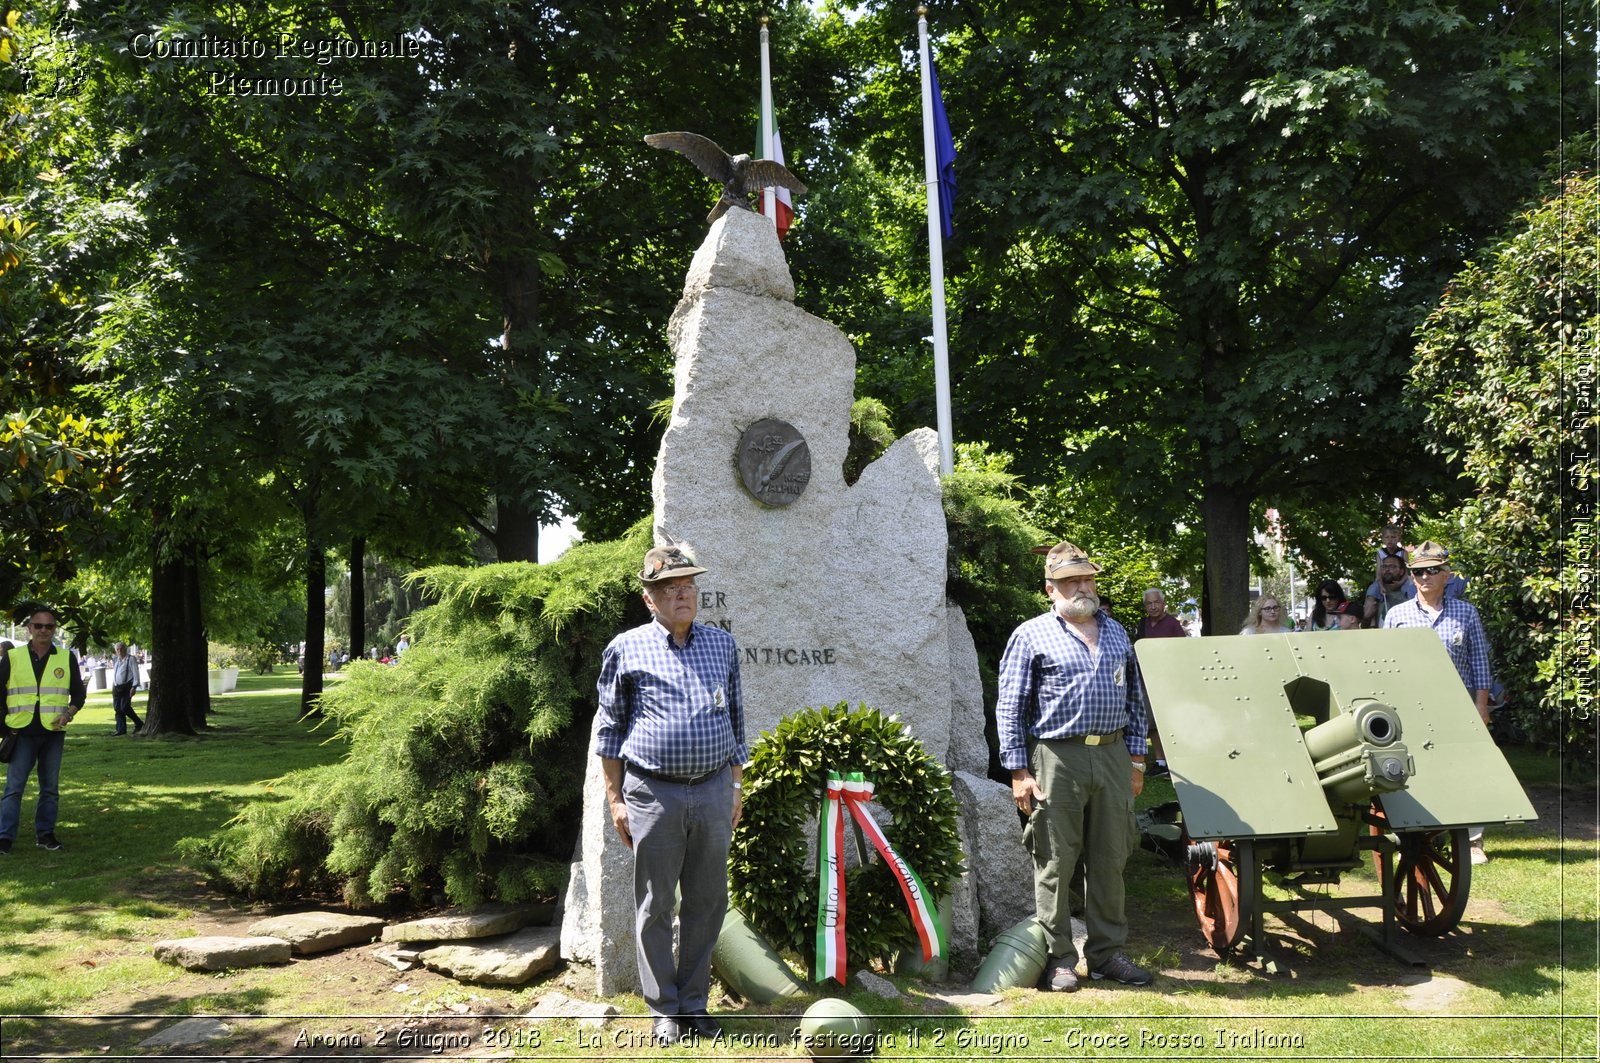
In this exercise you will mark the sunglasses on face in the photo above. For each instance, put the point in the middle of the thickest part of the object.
(1418, 572)
(43, 627)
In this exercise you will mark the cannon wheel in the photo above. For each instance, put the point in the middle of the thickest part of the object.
(1432, 878)
(1222, 886)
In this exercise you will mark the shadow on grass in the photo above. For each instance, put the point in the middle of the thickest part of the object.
(145, 1017)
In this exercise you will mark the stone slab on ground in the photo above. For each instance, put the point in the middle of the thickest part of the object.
(560, 1006)
(461, 926)
(193, 1031)
(506, 961)
(877, 985)
(395, 959)
(309, 932)
(222, 953)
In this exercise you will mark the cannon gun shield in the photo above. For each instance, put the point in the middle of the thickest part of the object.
(1294, 755)
(1227, 708)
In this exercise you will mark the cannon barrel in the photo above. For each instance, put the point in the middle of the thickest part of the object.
(1358, 753)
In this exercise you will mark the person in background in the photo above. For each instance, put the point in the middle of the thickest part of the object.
(43, 690)
(124, 681)
(1390, 545)
(1265, 617)
(1460, 629)
(1157, 623)
(1347, 616)
(1393, 587)
(1330, 599)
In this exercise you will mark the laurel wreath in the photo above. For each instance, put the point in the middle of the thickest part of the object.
(773, 876)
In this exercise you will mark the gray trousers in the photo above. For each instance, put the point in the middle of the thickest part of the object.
(681, 836)
(1087, 811)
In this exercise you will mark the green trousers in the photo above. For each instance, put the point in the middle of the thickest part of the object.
(1087, 811)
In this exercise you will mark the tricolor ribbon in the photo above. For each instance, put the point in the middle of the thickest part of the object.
(851, 791)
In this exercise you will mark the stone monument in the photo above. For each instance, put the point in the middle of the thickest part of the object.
(833, 591)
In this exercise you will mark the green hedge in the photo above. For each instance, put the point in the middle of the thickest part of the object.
(466, 761)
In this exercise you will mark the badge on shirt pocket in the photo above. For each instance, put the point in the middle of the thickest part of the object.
(1456, 638)
(717, 699)
(1118, 677)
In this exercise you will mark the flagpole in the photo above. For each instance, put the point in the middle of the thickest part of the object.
(769, 195)
(941, 349)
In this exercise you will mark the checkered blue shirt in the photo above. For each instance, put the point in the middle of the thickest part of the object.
(673, 710)
(1052, 686)
(1461, 631)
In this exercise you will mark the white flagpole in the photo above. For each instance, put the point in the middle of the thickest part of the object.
(769, 195)
(941, 348)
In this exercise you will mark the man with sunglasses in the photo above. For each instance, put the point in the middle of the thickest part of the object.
(1460, 629)
(672, 750)
(43, 691)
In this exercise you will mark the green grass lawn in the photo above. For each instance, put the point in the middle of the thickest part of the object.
(76, 930)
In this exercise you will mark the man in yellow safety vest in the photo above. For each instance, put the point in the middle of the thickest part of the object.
(43, 691)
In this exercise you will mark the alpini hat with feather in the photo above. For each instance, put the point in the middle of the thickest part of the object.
(667, 562)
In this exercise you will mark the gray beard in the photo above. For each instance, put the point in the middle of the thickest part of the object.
(1081, 607)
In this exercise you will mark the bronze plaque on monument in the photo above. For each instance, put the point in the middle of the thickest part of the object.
(774, 461)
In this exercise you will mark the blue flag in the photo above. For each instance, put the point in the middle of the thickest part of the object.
(944, 156)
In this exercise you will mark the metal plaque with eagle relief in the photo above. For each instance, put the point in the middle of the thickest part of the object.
(774, 461)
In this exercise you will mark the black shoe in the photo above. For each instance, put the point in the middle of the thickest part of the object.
(48, 841)
(667, 1030)
(5, 846)
(118, 734)
(701, 1025)
(1121, 969)
(1158, 770)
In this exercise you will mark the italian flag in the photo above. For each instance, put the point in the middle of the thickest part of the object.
(770, 146)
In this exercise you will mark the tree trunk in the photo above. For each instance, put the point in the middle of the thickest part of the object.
(358, 598)
(195, 633)
(316, 619)
(1225, 513)
(171, 688)
(516, 535)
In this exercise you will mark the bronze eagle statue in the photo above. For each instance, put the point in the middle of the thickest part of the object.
(740, 174)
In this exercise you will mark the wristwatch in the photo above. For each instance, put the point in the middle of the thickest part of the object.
(1138, 765)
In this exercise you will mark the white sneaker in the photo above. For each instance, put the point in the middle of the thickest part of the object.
(1479, 856)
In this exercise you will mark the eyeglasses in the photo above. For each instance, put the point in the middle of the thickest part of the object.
(1432, 570)
(677, 590)
(43, 627)
(1271, 608)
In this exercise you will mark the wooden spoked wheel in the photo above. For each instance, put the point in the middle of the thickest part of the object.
(1432, 877)
(1221, 884)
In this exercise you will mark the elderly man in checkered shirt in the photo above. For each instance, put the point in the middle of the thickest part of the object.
(1460, 629)
(671, 743)
(1072, 721)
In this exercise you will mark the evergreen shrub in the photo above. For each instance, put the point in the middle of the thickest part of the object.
(772, 871)
(466, 762)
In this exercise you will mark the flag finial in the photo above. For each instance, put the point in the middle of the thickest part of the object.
(922, 10)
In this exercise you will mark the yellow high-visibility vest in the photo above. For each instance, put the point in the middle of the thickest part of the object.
(51, 696)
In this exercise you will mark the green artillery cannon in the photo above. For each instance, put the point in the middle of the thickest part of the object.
(1295, 755)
